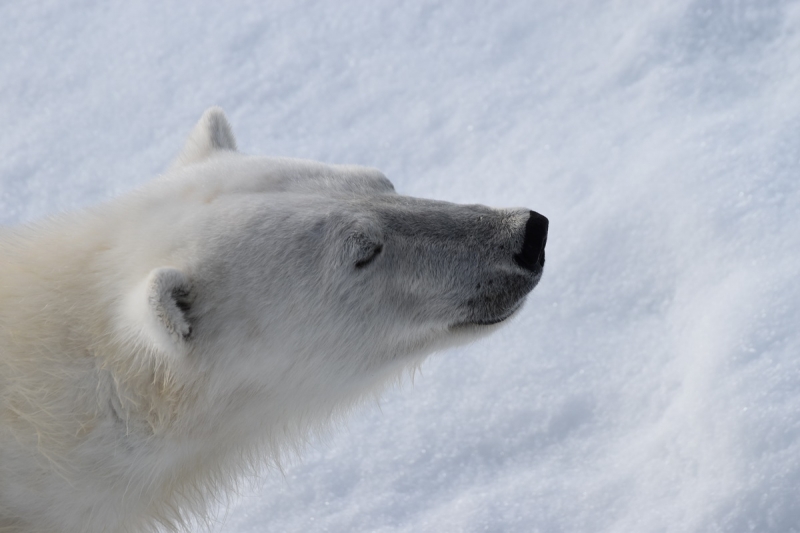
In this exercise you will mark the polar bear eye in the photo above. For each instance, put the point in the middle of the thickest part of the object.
(369, 255)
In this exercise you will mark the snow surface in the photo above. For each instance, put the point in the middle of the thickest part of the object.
(652, 383)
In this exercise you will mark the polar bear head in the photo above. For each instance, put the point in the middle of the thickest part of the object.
(306, 283)
(155, 347)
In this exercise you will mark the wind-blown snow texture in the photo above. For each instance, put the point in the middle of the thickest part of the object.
(652, 383)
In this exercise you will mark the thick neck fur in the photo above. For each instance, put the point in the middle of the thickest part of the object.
(92, 408)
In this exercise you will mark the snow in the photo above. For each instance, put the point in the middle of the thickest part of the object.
(652, 382)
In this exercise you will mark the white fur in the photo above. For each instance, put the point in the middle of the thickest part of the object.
(154, 349)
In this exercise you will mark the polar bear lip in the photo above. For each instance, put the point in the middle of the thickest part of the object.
(489, 321)
(479, 323)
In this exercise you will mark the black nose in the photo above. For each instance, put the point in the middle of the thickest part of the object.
(531, 256)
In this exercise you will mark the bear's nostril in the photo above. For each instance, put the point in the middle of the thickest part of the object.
(531, 257)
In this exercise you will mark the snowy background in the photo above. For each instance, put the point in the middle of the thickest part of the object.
(651, 384)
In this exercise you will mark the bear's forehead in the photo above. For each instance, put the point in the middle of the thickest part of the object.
(276, 175)
(230, 177)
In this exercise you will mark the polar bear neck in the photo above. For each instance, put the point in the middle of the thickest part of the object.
(59, 398)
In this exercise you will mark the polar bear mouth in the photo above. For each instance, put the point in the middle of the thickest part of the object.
(491, 307)
(489, 321)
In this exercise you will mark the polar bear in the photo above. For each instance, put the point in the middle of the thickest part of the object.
(155, 348)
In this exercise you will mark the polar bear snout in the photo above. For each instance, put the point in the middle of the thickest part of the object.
(499, 290)
(531, 257)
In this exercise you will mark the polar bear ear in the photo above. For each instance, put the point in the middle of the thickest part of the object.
(168, 297)
(211, 134)
(158, 309)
